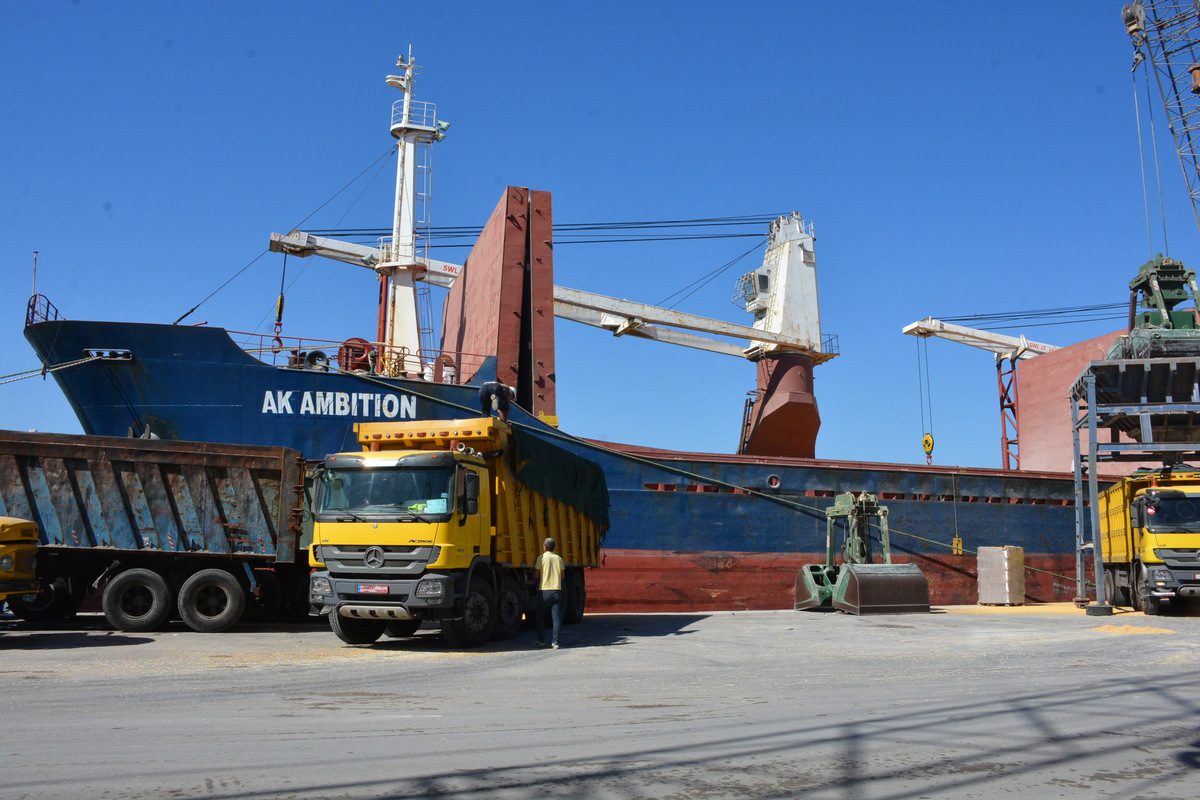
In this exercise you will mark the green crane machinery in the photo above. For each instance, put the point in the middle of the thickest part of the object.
(856, 585)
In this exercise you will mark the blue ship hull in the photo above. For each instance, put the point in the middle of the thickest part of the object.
(195, 383)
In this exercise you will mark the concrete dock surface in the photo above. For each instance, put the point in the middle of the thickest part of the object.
(965, 702)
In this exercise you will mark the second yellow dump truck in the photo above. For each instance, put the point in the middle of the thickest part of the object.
(18, 552)
(1150, 539)
(442, 521)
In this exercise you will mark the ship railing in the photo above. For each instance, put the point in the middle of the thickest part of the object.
(360, 357)
(40, 309)
(421, 114)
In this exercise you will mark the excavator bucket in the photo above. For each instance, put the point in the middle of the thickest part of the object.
(808, 588)
(880, 589)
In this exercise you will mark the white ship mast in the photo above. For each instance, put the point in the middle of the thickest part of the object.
(416, 127)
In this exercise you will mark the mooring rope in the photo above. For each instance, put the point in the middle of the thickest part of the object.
(813, 510)
(33, 373)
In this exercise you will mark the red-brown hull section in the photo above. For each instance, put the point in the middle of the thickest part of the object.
(642, 580)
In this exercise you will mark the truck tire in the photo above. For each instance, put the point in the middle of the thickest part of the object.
(356, 631)
(478, 621)
(576, 597)
(401, 629)
(211, 601)
(1142, 601)
(137, 600)
(508, 610)
(1110, 587)
(53, 603)
(1120, 589)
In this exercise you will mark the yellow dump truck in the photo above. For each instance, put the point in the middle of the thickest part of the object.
(18, 551)
(442, 521)
(1150, 539)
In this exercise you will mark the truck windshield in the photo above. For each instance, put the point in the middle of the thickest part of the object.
(398, 491)
(1179, 513)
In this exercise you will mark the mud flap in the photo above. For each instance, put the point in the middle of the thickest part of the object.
(880, 589)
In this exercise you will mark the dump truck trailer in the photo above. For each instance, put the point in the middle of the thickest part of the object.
(1150, 539)
(442, 521)
(158, 528)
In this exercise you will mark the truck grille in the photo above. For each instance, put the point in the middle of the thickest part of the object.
(1187, 559)
(371, 561)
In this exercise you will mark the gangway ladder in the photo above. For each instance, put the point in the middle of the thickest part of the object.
(423, 198)
(1146, 398)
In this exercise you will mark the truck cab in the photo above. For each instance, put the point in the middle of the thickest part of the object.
(1150, 526)
(442, 521)
(1167, 544)
(18, 557)
(395, 534)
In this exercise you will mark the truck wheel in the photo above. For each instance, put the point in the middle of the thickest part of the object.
(52, 603)
(401, 629)
(508, 611)
(1142, 601)
(1120, 593)
(356, 631)
(137, 600)
(576, 593)
(1110, 587)
(478, 619)
(211, 601)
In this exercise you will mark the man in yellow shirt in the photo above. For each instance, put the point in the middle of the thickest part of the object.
(549, 566)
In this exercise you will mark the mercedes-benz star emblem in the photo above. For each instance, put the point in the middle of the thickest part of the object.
(373, 558)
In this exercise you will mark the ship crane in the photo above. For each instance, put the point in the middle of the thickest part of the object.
(1009, 351)
(620, 317)
(784, 340)
(1163, 33)
(403, 263)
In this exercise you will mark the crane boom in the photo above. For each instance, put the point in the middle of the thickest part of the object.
(1004, 346)
(620, 317)
(1164, 33)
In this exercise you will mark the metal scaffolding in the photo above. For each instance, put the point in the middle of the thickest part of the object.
(1156, 403)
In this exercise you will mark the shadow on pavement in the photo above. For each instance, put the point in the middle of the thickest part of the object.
(605, 630)
(67, 640)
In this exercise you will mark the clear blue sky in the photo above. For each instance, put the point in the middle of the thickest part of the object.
(955, 157)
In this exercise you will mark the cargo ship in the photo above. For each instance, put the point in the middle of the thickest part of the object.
(695, 531)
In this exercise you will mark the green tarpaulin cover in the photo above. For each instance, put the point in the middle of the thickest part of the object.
(562, 476)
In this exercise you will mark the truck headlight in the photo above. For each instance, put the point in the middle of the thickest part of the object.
(321, 586)
(1160, 574)
(6, 563)
(431, 589)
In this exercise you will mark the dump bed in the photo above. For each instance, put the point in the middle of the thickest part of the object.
(1116, 541)
(539, 489)
(1119, 540)
(154, 495)
(543, 491)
